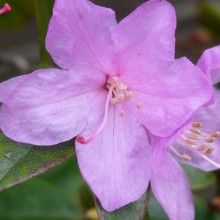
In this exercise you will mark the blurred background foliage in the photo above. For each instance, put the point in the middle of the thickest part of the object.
(61, 193)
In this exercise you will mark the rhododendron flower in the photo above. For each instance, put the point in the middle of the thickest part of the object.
(196, 144)
(115, 81)
(5, 9)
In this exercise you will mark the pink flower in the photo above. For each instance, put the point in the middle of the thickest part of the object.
(116, 81)
(5, 9)
(196, 144)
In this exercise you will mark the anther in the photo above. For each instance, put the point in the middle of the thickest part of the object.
(139, 105)
(195, 131)
(209, 151)
(123, 87)
(215, 134)
(197, 124)
(5, 9)
(190, 142)
(193, 136)
(202, 147)
(129, 95)
(210, 139)
(186, 158)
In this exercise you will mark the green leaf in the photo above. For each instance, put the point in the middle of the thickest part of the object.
(67, 177)
(52, 195)
(155, 210)
(22, 12)
(210, 15)
(133, 211)
(201, 209)
(43, 10)
(199, 179)
(86, 197)
(37, 199)
(19, 162)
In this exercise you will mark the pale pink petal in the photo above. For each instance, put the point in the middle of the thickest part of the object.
(116, 164)
(79, 35)
(209, 63)
(170, 93)
(146, 36)
(171, 187)
(47, 106)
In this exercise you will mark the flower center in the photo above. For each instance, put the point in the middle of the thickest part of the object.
(117, 94)
(120, 91)
(5, 9)
(196, 141)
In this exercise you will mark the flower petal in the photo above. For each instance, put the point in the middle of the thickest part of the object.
(47, 106)
(116, 164)
(209, 63)
(146, 35)
(171, 187)
(79, 35)
(170, 94)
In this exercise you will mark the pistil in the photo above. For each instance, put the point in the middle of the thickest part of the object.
(82, 139)
(117, 94)
(5, 9)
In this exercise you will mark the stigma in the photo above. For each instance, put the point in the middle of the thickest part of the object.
(5, 9)
(118, 93)
(196, 141)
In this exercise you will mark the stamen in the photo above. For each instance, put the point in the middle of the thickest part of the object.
(139, 105)
(209, 150)
(184, 157)
(82, 139)
(211, 161)
(210, 139)
(193, 136)
(215, 134)
(190, 142)
(118, 93)
(196, 131)
(197, 124)
(198, 142)
(203, 147)
(5, 9)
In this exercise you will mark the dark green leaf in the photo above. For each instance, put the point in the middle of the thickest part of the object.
(19, 162)
(43, 14)
(133, 211)
(155, 210)
(210, 14)
(21, 12)
(199, 179)
(37, 199)
(201, 207)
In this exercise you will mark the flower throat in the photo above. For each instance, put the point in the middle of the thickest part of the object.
(117, 94)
